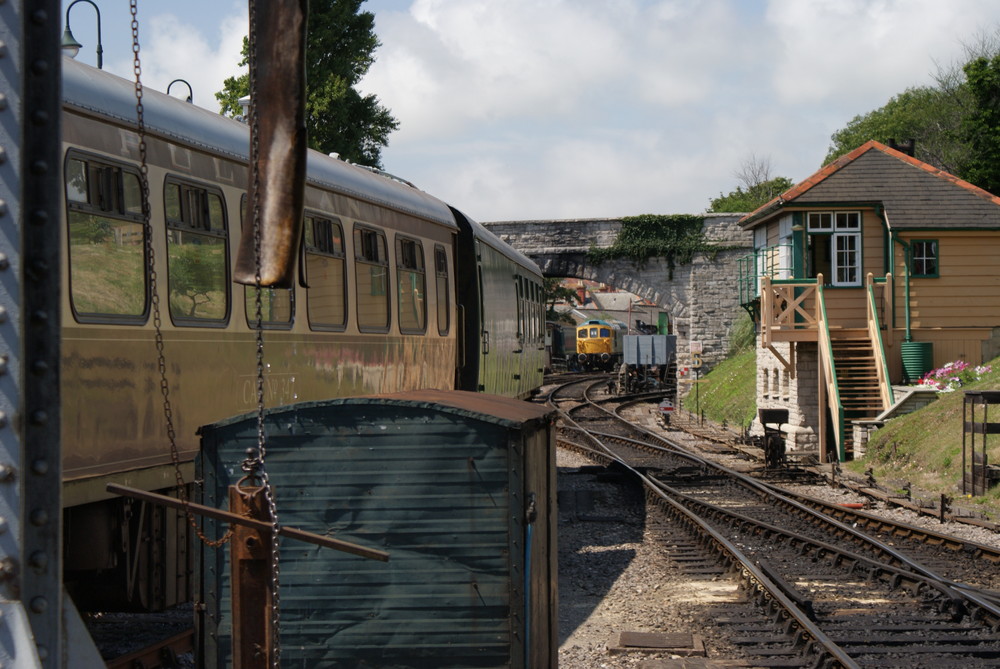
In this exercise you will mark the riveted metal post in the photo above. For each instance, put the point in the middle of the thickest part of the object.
(30, 490)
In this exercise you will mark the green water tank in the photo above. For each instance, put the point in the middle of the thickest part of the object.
(918, 359)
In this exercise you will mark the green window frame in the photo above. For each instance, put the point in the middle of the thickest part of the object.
(924, 259)
(197, 254)
(108, 268)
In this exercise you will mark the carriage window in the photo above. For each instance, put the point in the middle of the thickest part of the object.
(276, 304)
(519, 289)
(411, 285)
(441, 281)
(324, 253)
(197, 258)
(107, 259)
(582, 334)
(538, 326)
(371, 269)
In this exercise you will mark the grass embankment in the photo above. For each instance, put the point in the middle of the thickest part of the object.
(728, 394)
(923, 448)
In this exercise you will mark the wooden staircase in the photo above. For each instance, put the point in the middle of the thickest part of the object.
(857, 381)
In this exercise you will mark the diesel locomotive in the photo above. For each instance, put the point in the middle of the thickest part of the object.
(599, 345)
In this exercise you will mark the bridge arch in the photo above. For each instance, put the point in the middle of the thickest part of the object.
(701, 297)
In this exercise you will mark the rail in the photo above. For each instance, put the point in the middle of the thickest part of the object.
(875, 336)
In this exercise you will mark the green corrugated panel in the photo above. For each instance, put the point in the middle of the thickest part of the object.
(430, 487)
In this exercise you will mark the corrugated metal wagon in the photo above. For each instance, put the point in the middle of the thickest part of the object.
(458, 488)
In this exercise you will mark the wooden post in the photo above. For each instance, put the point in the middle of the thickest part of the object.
(252, 576)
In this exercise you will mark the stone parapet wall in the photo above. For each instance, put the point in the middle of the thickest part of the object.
(563, 236)
(701, 297)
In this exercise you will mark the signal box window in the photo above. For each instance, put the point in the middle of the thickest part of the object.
(324, 265)
(834, 246)
(411, 285)
(924, 258)
(107, 253)
(276, 304)
(371, 274)
(441, 286)
(197, 256)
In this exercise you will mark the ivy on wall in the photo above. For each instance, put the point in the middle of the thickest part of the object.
(674, 237)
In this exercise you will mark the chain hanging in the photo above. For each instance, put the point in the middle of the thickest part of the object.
(161, 362)
(255, 467)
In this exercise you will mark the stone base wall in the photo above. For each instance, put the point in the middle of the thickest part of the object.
(798, 392)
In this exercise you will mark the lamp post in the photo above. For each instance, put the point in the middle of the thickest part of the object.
(69, 43)
(190, 97)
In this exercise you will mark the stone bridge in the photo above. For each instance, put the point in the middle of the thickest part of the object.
(702, 297)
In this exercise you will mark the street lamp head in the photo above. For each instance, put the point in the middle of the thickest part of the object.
(190, 97)
(69, 43)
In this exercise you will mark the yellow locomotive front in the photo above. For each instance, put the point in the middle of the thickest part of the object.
(598, 345)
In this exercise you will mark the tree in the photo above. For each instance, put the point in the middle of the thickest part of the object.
(756, 187)
(981, 127)
(340, 48)
(932, 117)
(553, 291)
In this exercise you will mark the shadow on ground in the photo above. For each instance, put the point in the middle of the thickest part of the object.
(601, 516)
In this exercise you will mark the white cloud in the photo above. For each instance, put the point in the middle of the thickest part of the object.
(867, 50)
(580, 108)
(175, 48)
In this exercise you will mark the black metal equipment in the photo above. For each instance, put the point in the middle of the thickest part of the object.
(774, 443)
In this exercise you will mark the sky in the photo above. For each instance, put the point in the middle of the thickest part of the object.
(564, 109)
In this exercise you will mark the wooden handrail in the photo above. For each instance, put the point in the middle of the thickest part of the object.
(888, 299)
(875, 337)
(828, 379)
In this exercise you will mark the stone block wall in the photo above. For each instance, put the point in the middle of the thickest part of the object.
(779, 388)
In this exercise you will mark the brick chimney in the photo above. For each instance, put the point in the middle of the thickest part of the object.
(908, 146)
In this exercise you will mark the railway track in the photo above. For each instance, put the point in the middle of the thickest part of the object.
(843, 597)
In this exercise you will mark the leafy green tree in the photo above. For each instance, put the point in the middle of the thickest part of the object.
(340, 49)
(931, 116)
(934, 116)
(741, 200)
(553, 291)
(756, 187)
(981, 127)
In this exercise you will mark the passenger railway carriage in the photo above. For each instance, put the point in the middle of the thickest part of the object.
(397, 291)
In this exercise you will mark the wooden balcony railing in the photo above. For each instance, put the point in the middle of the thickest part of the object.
(788, 309)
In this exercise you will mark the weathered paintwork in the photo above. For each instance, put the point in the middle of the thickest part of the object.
(458, 487)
